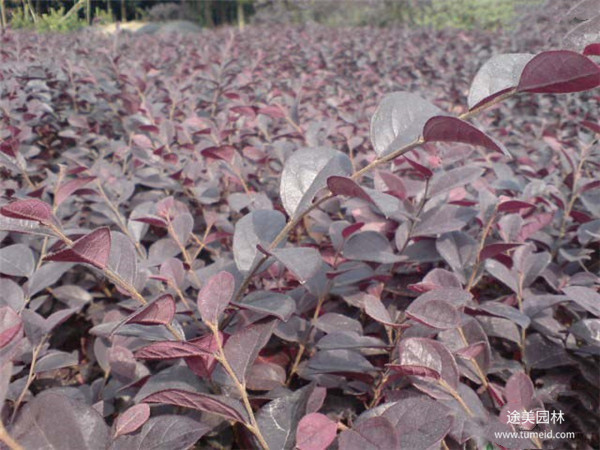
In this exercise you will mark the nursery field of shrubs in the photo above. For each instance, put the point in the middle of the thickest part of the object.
(300, 238)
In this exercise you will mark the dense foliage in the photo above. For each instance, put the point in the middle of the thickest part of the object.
(297, 239)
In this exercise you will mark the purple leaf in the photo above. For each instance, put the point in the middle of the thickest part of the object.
(315, 432)
(11, 325)
(173, 270)
(17, 260)
(171, 350)
(214, 297)
(399, 120)
(491, 250)
(434, 313)
(592, 50)
(585, 297)
(203, 365)
(472, 351)
(271, 303)
(452, 129)
(265, 376)
(421, 423)
(278, 420)
(132, 419)
(303, 262)
(242, 348)
(172, 432)
(256, 228)
(56, 360)
(444, 219)
(52, 420)
(214, 404)
(445, 181)
(348, 187)
(123, 259)
(376, 433)
(519, 391)
(93, 248)
(160, 312)
(370, 246)
(377, 311)
(419, 371)
(512, 206)
(421, 170)
(30, 209)
(559, 71)
(433, 355)
(497, 75)
(69, 187)
(305, 173)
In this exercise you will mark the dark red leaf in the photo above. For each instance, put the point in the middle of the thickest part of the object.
(10, 325)
(171, 350)
(30, 209)
(348, 187)
(315, 432)
(204, 365)
(491, 250)
(351, 229)
(214, 297)
(272, 111)
(419, 371)
(93, 248)
(592, 49)
(202, 402)
(559, 71)
(452, 129)
(422, 170)
(511, 206)
(132, 419)
(69, 187)
(160, 312)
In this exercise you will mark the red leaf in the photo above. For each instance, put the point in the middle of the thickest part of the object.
(452, 129)
(592, 49)
(489, 251)
(214, 297)
(315, 432)
(394, 184)
(195, 400)
(535, 224)
(152, 220)
(170, 350)
(351, 229)
(272, 111)
(30, 209)
(511, 206)
(419, 371)
(348, 187)
(424, 171)
(132, 419)
(93, 248)
(10, 325)
(595, 127)
(69, 187)
(559, 71)
(471, 351)
(204, 365)
(160, 312)
(590, 186)
(224, 153)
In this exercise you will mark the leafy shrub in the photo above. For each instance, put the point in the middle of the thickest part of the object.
(466, 14)
(275, 241)
(54, 21)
